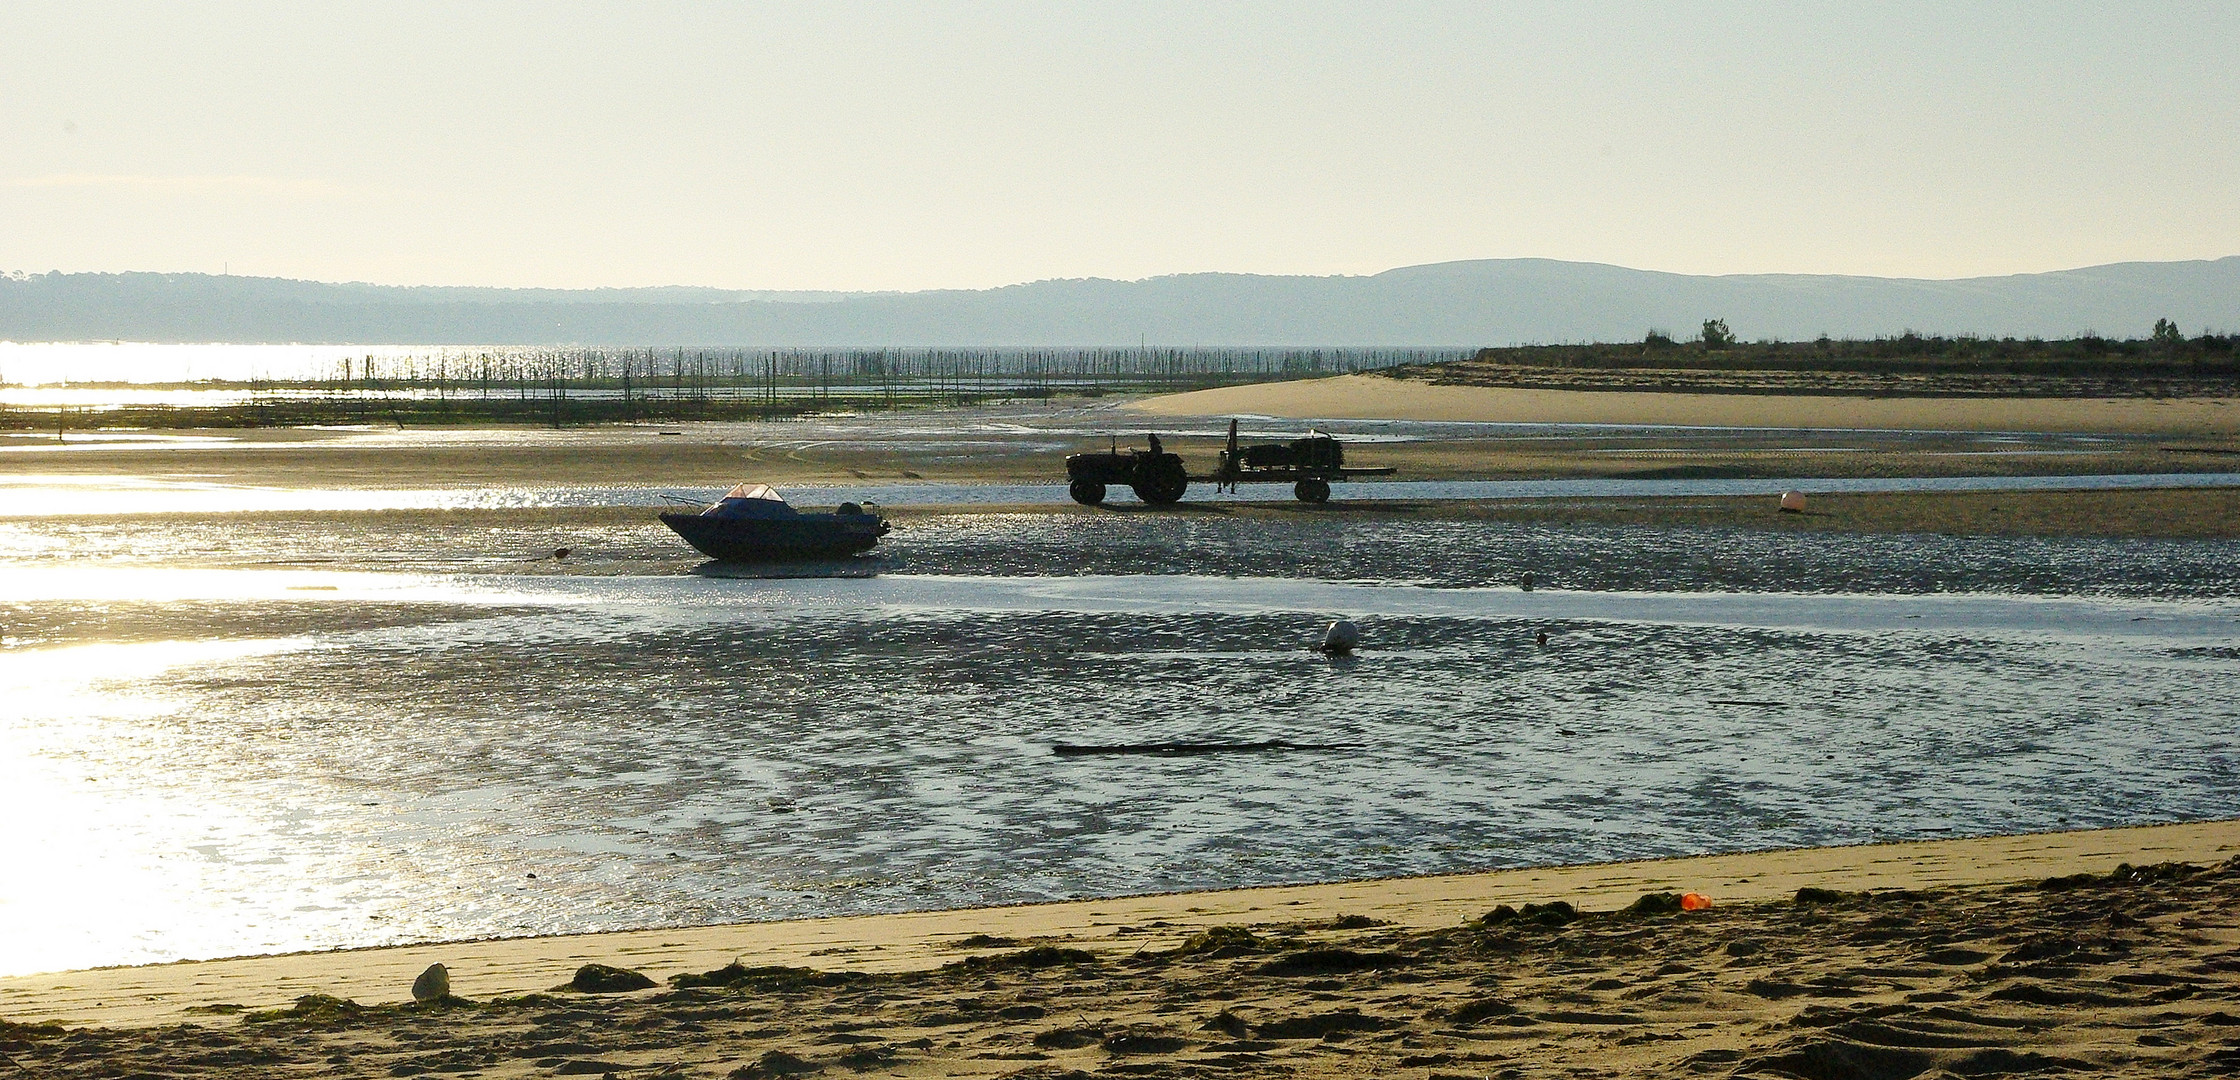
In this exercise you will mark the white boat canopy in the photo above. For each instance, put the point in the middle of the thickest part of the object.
(755, 491)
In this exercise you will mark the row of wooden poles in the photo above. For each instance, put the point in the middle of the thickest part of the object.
(595, 385)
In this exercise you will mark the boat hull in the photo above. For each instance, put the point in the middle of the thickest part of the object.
(808, 536)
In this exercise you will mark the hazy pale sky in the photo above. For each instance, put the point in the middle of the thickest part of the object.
(926, 145)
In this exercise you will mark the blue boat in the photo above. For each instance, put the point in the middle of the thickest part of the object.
(752, 523)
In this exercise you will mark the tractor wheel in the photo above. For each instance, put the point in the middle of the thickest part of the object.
(1086, 492)
(1312, 490)
(1164, 484)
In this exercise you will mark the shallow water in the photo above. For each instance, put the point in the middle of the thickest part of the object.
(46, 495)
(219, 761)
(1308, 546)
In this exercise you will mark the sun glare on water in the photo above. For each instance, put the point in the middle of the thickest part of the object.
(88, 850)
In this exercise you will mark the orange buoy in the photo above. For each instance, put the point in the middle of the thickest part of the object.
(1694, 901)
(1792, 502)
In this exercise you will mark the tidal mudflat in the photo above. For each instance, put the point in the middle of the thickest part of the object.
(236, 760)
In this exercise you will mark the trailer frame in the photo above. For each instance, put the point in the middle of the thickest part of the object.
(1317, 459)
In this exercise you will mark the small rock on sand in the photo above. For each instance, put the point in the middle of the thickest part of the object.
(433, 984)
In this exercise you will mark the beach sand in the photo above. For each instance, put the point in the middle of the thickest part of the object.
(1380, 398)
(701, 457)
(1947, 954)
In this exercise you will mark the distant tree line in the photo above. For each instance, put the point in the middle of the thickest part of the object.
(2164, 351)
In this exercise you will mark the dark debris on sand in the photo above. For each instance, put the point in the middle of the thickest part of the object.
(2133, 973)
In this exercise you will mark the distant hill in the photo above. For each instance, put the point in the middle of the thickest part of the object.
(1485, 302)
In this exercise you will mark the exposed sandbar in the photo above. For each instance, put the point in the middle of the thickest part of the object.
(1371, 397)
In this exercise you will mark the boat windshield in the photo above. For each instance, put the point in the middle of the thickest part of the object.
(751, 500)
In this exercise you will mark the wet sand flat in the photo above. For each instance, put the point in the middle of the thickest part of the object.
(2087, 953)
(1378, 397)
(1029, 444)
(631, 540)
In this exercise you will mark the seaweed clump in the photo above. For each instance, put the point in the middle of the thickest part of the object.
(14, 1036)
(1479, 1009)
(984, 941)
(1221, 942)
(738, 976)
(606, 979)
(1552, 913)
(1041, 956)
(2123, 874)
(1329, 962)
(775, 1063)
(316, 1008)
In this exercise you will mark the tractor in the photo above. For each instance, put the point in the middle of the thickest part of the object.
(1156, 476)
(1307, 464)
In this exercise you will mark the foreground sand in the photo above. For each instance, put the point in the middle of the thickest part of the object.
(1961, 959)
(1372, 397)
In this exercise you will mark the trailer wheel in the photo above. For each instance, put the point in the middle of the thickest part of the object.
(1163, 484)
(1086, 492)
(1312, 490)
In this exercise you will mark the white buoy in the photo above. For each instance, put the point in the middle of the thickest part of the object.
(1792, 502)
(1341, 638)
(433, 984)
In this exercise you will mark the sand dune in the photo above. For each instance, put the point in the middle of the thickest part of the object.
(1371, 397)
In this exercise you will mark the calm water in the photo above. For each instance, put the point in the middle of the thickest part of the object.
(39, 495)
(216, 746)
(33, 363)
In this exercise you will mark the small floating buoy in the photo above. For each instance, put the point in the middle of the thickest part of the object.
(1792, 502)
(559, 553)
(1525, 582)
(1541, 638)
(1341, 638)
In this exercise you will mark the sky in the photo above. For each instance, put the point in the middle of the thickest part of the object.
(880, 146)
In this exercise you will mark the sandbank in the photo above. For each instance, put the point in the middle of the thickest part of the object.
(1373, 397)
(1030, 446)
